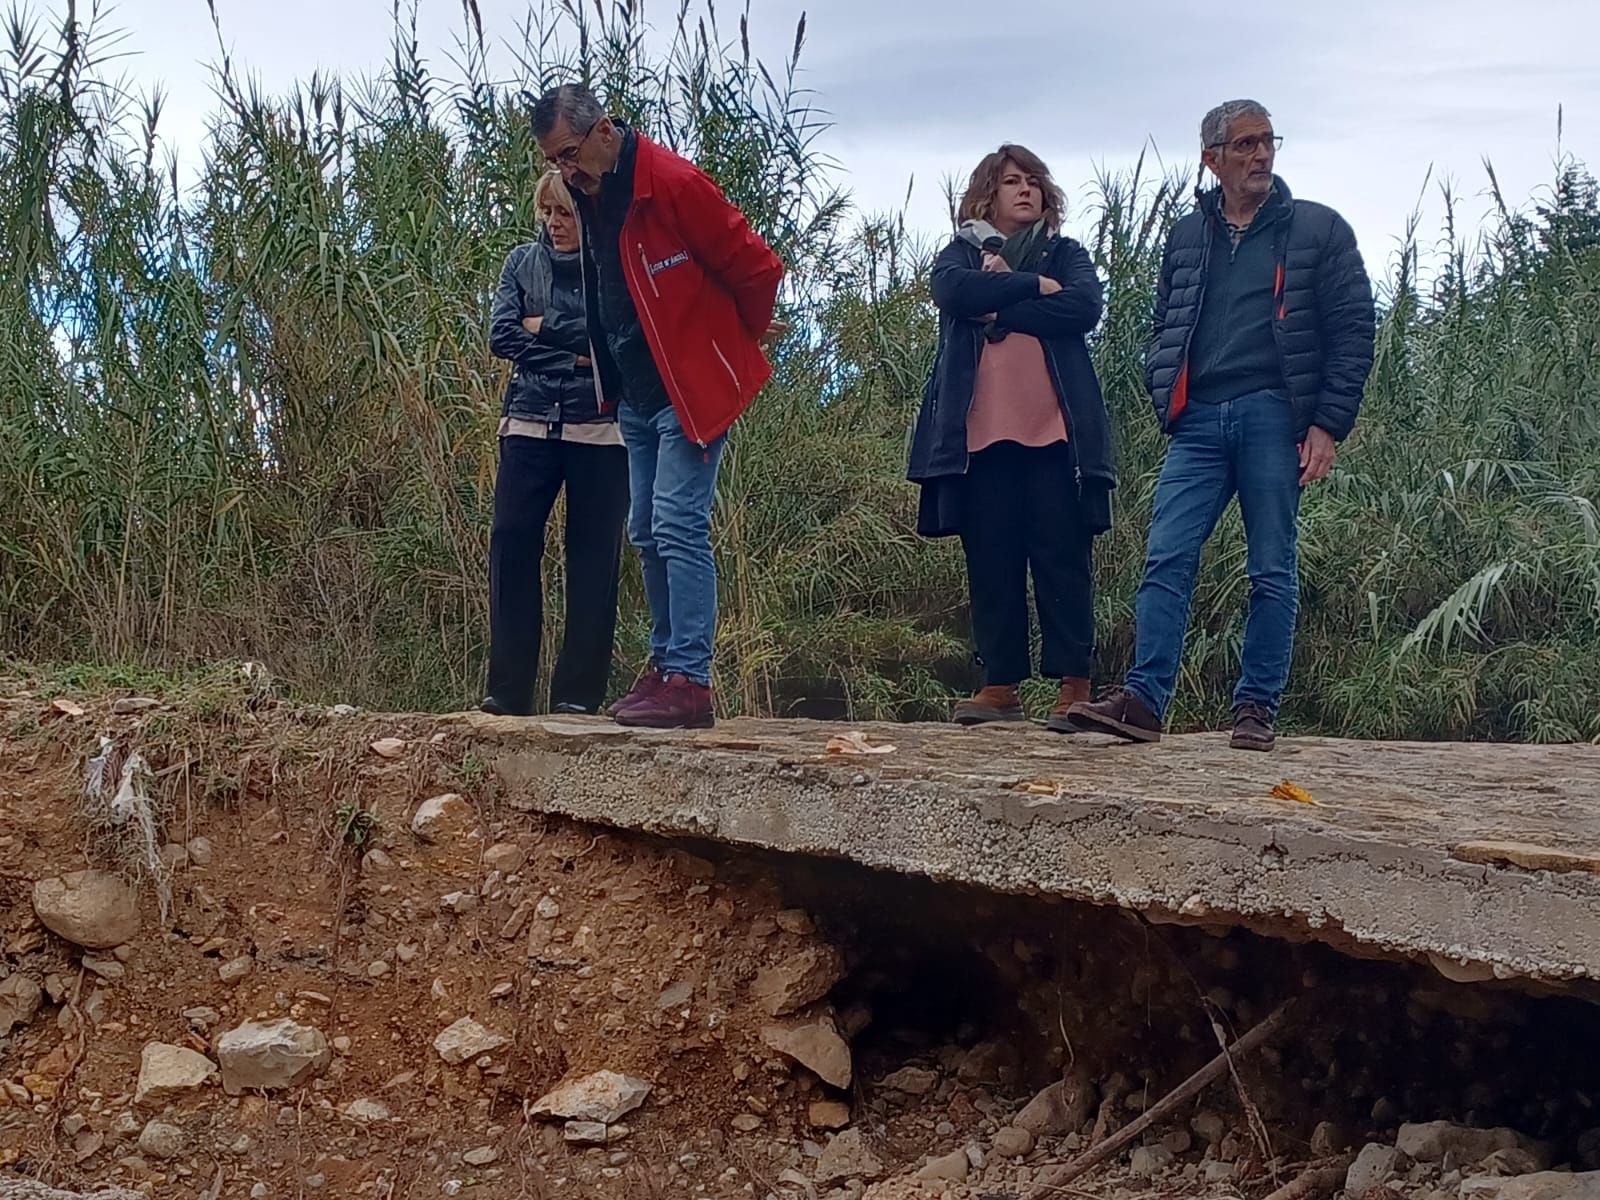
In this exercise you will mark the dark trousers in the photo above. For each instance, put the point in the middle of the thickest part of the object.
(532, 472)
(1020, 514)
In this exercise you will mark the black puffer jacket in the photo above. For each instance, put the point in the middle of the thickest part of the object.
(1323, 324)
(546, 384)
(963, 292)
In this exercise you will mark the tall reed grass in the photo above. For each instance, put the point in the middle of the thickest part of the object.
(253, 417)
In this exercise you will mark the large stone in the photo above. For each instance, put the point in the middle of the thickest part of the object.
(1150, 1161)
(1431, 1141)
(849, 1155)
(1374, 1167)
(20, 998)
(802, 978)
(1062, 1108)
(1544, 1185)
(1013, 1142)
(828, 1114)
(160, 1140)
(913, 1081)
(444, 818)
(267, 1055)
(815, 1045)
(951, 1168)
(166, 1072)
(93, 909)
(605, 1097)
(466, 1039)
(28, 1189)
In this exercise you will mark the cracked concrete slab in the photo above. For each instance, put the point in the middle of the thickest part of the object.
(1483, 859)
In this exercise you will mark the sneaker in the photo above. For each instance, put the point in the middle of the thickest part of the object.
(1120, 713)
(643, 688)
(1252, 727)
(1074, 690)
(677, 702)
(567, 709)
(491, 706)
(997, 702)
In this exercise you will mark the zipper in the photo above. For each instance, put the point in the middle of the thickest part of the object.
(726, 365)
(682, 407)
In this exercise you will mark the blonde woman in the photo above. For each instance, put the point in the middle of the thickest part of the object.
(556, 431)
(1012, 446)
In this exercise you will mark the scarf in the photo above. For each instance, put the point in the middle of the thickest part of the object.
(1024, 250)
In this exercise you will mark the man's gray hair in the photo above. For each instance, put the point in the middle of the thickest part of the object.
(572, 103)
(1220, 120)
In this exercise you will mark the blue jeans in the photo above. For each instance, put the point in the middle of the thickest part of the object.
(1245, 446)
(673, 482)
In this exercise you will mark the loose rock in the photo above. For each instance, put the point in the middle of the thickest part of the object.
(1013, 1142)
(367, 1111)
(20, 998)
(585, 1133)
(271, 1054)
(235, 969)
(1062, 1108)
(913, 1081)
(604, 1097)
(466, 1039)
(828, 1114)
(1150, 1161)
(481, 1156)
(444, 818)
(952, 1167)
(92, 909)
(815, 1045)
(166, 1072)
(1374, 1166)
(505, 857)
(802, 978)
(1544, 1185)
(849, 1155)
(1431, 1141)
(160, 1140)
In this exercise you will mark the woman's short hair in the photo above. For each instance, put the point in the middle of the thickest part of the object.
(551, 192)
(978, 202)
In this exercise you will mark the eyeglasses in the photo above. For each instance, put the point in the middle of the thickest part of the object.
(1249, 145)
(569, 156)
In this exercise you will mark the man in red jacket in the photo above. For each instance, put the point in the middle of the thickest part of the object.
(680, 293)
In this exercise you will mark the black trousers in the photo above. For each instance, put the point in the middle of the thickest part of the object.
(532, 472)
(1020, 514)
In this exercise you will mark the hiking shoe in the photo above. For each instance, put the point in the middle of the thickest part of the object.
(498, 708)
(568, 709)
(1074, 690)
(677, 702)
(997, 702)
(643, 687)
(1253, 728)
(1120, 713)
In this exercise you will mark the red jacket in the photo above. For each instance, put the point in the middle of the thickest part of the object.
(705, 285)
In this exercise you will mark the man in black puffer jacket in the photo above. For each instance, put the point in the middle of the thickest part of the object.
(1262, 345)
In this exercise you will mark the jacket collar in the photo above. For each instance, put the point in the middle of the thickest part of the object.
(1279, 204)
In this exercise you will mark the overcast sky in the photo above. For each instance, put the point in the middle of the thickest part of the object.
(1367, 93)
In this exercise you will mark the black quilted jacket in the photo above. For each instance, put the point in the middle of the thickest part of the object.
(1323, 324)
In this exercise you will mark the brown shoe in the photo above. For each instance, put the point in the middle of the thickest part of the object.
(997, 702)
(643, 688)
(1118, 712)
(1252, 727)
(1074, 690)
(677, 703)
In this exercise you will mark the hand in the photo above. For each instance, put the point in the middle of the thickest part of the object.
(775, 331)
(988, 318)
(583, 361)
(533, 324)
(993, 262)
(1316, 455)
(1048, 286)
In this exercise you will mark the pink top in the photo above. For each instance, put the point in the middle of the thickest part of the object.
(1013, 399)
